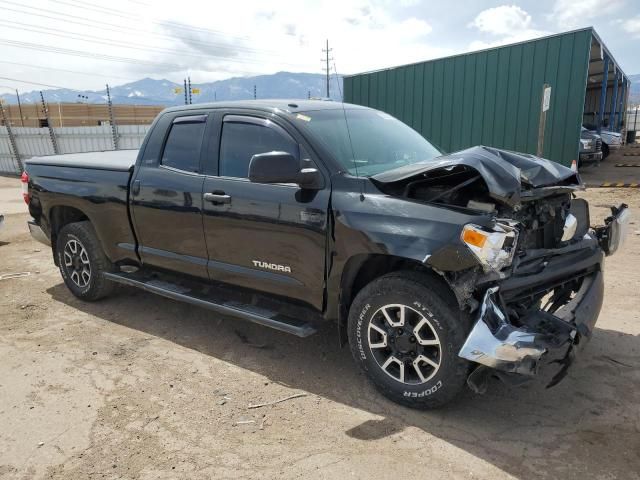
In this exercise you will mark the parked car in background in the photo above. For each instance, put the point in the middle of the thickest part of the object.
(610, 140)
(439, 270)
(590, 147)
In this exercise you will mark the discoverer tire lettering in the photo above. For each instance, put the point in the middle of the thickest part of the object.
(425, 339)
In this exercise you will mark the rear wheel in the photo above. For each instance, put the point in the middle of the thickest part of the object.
(82, 261)
(405, 331)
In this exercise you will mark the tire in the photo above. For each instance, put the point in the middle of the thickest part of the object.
(426, 302)
(605, 150)
(82, 262)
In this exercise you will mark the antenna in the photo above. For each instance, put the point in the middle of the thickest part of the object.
(346, 122)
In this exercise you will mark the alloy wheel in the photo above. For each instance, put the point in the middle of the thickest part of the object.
(76, 262)
(404, 343)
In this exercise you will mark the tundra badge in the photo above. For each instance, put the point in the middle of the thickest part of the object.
(272, 266)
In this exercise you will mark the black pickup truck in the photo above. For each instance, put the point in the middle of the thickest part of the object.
(439, 270)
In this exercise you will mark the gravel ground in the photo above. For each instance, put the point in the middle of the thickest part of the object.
(137, 386)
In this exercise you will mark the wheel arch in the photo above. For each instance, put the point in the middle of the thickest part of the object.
(360, 270)
(59, 217)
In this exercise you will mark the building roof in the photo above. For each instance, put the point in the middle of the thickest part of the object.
(474, 52)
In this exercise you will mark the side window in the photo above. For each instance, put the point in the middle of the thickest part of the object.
(182, 149)
(241, 141)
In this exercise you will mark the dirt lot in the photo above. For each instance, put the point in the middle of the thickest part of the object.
(137, 386)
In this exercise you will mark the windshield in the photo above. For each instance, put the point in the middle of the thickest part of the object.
(380, 142)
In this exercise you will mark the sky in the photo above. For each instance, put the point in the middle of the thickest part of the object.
(85, 44)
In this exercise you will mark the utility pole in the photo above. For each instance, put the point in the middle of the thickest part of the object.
(20, 108)
(326, 60)
(52, 134)
(255, 92)
(186, 98)
(309, 94)
(114, 131)
(189, 84)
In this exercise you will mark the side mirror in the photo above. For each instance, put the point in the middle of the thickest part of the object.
(282, 167)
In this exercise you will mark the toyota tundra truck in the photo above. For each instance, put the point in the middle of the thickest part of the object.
(439, 271)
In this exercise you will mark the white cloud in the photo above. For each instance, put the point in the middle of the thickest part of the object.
(241, 37)
(578, 13)
(502, 20)
(506, 24)
(632, 26)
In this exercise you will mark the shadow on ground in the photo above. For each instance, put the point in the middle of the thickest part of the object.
(586, 426)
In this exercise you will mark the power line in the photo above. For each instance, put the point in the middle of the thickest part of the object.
(123, 14)
(39, 84)
(98, 40)
(93, 55)
(119, 28)
(41, 67)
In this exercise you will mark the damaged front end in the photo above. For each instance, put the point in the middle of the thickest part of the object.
(537, 289)
(545, 309)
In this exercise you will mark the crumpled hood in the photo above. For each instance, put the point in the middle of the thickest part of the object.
(509, 175)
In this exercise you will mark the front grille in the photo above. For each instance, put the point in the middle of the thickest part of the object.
(536, 291)
(598, 144)
(543, 222)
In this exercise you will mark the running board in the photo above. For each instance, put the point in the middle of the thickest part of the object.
(249, 312)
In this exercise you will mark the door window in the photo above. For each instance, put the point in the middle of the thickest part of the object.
(182, 149)
(241, 141)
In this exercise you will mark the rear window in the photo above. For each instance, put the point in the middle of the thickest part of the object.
(182, 150)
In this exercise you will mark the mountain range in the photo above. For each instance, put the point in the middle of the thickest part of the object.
(149, 91)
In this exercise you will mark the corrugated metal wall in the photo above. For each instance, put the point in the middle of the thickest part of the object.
(32, 142)
(489, 98)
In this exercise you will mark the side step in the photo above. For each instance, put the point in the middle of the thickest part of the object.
(253, 313)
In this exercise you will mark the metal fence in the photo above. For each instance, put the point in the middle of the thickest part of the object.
(21, 143)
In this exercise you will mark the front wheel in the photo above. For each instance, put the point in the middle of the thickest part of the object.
(82, 261)
(605, 151)
(405, 332)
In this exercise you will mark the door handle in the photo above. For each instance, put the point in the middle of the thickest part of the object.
(217, 197)
(135, 188)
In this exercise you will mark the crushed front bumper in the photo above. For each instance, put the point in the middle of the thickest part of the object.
(541, 337)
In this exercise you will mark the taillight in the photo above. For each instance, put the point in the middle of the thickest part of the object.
(25, 187)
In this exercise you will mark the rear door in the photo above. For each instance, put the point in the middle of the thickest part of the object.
(166, 196)
(267, 237)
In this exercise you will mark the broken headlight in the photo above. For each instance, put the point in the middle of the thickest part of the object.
(493, 248)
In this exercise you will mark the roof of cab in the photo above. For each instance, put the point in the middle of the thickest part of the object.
(281, 105)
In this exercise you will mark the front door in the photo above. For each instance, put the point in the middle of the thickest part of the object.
(268, 237)
(166, 200)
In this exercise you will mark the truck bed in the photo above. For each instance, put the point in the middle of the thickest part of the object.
(119, 160)
(94, 185)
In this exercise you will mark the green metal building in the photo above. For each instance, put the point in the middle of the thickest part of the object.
(494, 97)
